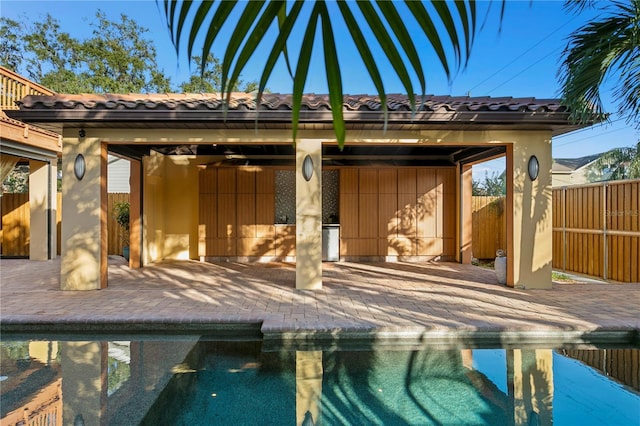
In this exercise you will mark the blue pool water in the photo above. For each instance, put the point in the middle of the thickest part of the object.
(188, 381)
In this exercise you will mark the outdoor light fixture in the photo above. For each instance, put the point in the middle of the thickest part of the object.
(79, 167)
(533, 167)
(82, 133)
(307, 168)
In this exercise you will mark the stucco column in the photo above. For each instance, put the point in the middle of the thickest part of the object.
(529, 208)
(39, 205)
(466, 214)
(84, 384)
(84, 215)
(308, 387)
(309, 217)
(153, 210)
(135, 205)
(530, 385)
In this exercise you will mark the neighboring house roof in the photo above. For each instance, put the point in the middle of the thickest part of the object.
(274, 111)
(569, 165)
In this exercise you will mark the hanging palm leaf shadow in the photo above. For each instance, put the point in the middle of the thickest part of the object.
(383, 20)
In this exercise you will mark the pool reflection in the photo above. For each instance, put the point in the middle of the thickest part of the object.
(188, 382)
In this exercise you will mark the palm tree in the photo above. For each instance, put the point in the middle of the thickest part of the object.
(445, 26)
(607, 47)
(616, 164)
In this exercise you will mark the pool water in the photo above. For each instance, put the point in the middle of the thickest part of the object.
(191, 381)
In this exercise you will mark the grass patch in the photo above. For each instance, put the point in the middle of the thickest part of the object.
(560, 277)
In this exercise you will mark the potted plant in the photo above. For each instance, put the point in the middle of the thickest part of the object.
(121, 215)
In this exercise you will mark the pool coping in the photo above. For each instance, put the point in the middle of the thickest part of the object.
(355, 336)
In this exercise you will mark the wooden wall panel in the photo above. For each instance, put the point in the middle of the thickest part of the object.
(388, 181)
(407, 181)
(401, 215)
(285, 244)
(368, 215)
(265, 181)
(349, 214)
(368, 181)
(387, 218)
(226, 223)
(406, 215)
(246, 215)
(246, 180)
(382, 214)
(349, 181)
(226, 180)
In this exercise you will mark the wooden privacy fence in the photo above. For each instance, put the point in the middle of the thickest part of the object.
(14, 233)
(489, 228)
(596, 230)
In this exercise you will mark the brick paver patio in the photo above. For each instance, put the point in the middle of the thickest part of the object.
(380, 300)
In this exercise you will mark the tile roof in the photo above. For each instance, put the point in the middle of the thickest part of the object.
(275, 101)
(572, 164)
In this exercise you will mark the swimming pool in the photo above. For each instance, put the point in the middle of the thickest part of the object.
(189, 380)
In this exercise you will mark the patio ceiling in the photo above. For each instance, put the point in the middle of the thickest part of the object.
(331, 154)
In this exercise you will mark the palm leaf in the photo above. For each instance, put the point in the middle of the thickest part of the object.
(428, 27)
(280, 44)
(201, 14)
(404, 38)
(468, 24)
(302, 70)
(456, 17)
(383, 37)
(219, 18)
(334, 80)
(450, 26)
(268, 16)
(184, 11)
(601, 48)
(366, 55)
(282, 16)
(245, 22)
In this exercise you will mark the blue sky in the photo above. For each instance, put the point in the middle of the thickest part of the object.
(520, 59)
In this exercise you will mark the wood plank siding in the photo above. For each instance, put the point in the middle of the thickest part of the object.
(383, 212)
(16, 224)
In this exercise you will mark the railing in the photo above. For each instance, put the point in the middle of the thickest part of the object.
(14, 87)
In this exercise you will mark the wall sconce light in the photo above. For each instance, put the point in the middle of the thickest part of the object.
(533, 167)
(82, 133)
(79, 167)
(307, 168)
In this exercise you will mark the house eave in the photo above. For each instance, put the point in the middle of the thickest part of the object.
(555, 122)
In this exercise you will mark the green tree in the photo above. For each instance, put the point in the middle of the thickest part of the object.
(494, 185)
(605, 49)
(449, 27)
(10, 44)
(207, 77)
(117, 58)
(616, 164)
(17, 181)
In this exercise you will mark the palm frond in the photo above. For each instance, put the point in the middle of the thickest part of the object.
(600, 49)
(385, 21)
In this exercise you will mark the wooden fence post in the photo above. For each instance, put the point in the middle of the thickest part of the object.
(564, 228)
(605, 257)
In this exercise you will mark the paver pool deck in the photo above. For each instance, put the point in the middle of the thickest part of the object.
(373, 300)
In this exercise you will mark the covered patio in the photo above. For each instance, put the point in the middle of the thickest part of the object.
(208, 179)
